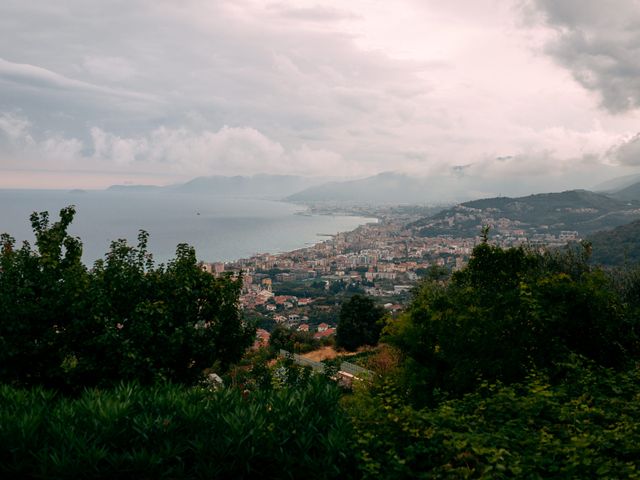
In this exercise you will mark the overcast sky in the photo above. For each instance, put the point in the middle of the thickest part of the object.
(150, 91)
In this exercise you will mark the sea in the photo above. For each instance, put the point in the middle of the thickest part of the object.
(220, 228)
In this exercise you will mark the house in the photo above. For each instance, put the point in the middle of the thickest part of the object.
(323, 327)
(303, 327)
(326, 333)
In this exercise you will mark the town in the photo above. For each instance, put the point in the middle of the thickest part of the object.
(386, 259)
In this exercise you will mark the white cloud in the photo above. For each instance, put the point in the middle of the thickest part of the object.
(116, 69)
(330, 88)
(40, 78)
(627, 151)
(184, 152)
(16, 128)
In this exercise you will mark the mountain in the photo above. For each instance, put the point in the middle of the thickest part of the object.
(575, 210)
(273, 186)
(617, 247)
(616, 184)
(629, 193)
(135, 188)
(384, 188)
(261, 186)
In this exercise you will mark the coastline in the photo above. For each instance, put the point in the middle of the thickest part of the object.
(221, 229)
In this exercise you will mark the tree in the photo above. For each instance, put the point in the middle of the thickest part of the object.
(508, 313)
(360, 323)
(63, 325)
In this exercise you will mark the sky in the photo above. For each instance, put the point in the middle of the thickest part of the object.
(538, 92)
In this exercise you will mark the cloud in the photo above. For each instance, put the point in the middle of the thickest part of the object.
(41, 78)
(599, 42)
(14, 127)
(627, 152)
(187, 153)
(302, 86)
(116, 69)
(314, 13)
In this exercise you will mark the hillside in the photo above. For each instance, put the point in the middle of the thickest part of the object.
(383, 188)
(615, 184)
(617, 247)
(630, 193)
(389, 188)
(574, 210)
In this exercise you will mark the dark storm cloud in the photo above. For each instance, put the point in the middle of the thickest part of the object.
(599, 42)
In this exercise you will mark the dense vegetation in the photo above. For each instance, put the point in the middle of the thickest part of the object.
(618, 247)
(587, 426)
(173, 432)
(67, 326)
(521, 365)
(360, 323)
(511, 312)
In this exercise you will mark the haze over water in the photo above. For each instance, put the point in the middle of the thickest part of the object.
(220, 228)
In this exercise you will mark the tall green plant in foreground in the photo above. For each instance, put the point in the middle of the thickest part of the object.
(169, 431)
(587, 426)
(66, 326)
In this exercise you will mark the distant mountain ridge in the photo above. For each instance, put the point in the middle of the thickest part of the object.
(616, 184)
(262, 186)
(630, 193)
(386, 188)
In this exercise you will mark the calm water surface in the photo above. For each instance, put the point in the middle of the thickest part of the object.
(220, 228)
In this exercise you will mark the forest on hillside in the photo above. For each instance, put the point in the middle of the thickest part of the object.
(617, 247)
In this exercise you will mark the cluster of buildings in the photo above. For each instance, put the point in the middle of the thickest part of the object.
(506, 232)
(383, 259)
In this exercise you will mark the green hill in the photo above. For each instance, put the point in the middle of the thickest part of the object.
(576, 210)
(630, 193)
(617, 247)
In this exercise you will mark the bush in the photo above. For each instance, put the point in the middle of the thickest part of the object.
(507, 313)
(169, 431)
(585, 427)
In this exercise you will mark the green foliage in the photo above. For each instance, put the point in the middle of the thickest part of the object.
(65, 326)
(360, 323)
(585, 427)
(285, 338)
(617, 247)
(508, 312)
(175, 432)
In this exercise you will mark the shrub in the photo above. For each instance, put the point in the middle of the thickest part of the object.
(168, 431)
(507, 313)
(585, 427)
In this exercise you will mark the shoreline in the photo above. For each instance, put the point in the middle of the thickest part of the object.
(307, 245)
(227, 230)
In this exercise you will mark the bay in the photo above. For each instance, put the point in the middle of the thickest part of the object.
(220, 228)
